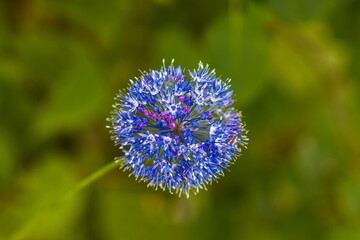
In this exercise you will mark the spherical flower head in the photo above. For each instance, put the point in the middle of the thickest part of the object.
(177, 132)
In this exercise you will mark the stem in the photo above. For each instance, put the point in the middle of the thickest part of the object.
(34, 221)
(92, 178)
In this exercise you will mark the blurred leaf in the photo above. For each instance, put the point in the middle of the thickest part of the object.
(348, 232)
(294, 73)
(10, 71)
(148, 211)
(15, 116)
(41, 187)
(304, 57)
(176, 44)
(2, 23)
(8, 155)
(349, 196)
(238, 48)
(124, 217)
(76, 97)
(38, 55)
(103, 18)
(314, 163)
(298, 10)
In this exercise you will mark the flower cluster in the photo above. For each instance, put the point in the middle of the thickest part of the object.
(177, 133)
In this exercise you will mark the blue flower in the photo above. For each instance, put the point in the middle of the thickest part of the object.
(177, 132)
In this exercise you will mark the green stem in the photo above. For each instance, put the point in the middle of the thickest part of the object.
(33, 222)
(92, 178)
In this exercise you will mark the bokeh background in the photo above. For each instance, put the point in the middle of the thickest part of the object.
(295, 70)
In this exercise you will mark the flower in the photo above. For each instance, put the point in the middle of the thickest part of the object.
(177, 133)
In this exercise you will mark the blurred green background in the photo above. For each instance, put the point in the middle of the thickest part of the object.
(295, 70)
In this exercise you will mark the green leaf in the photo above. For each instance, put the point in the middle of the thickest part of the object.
(76, 97)
(298, 10)
(302, 57)
(37, 208)
(175, 44)
(238, 47)
(8, 156)
(105, 19)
